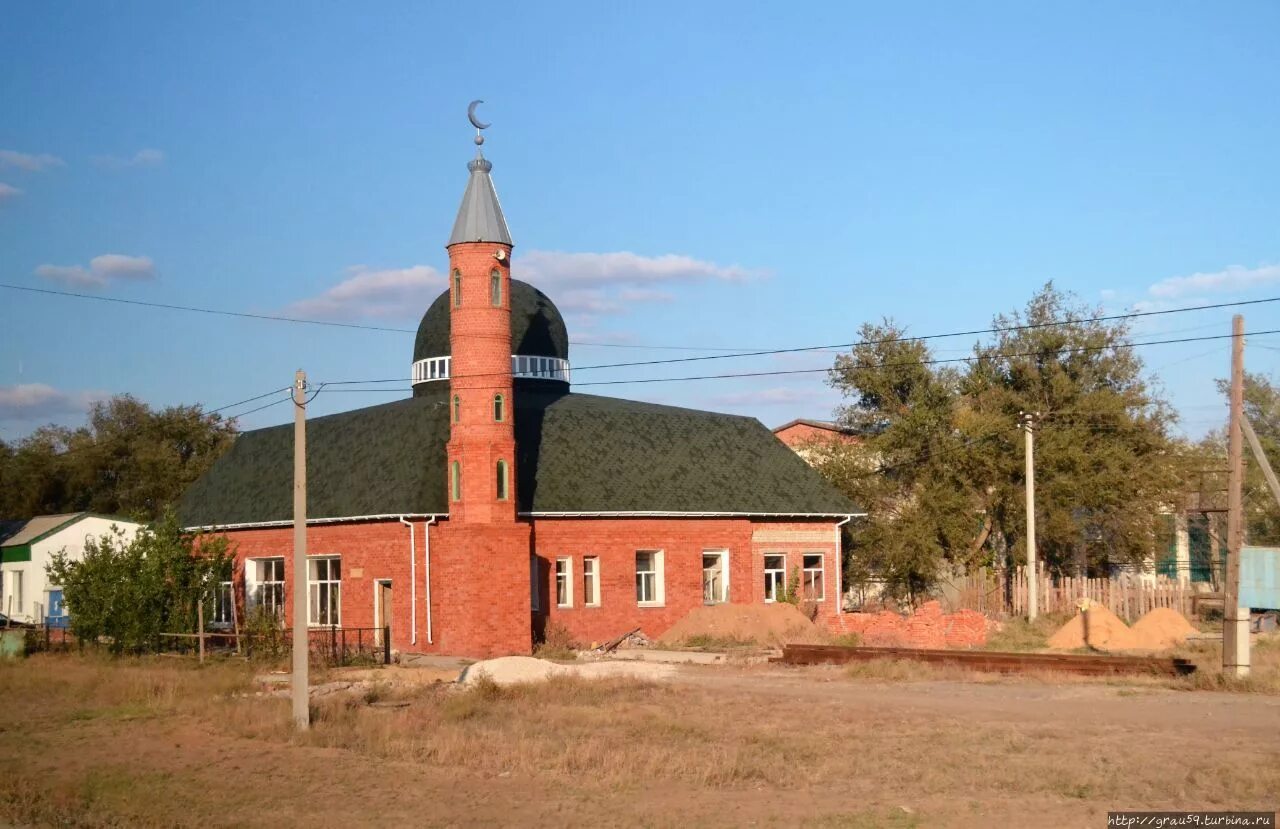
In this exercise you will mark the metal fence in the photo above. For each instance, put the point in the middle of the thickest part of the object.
(327, 646)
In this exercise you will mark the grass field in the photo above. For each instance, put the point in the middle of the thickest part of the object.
(161, 742)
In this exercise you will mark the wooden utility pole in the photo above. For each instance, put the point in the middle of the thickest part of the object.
(200, 624)
(1235, 624)
(301, 680)
(1033, 571)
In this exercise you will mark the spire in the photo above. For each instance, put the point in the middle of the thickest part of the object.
(480, 216)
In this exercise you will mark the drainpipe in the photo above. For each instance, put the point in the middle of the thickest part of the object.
(413, 583)
(426, 553)
(840, 567)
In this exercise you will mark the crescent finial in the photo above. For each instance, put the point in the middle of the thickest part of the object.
(471, 115)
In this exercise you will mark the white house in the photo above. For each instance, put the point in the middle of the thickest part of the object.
(27, 546)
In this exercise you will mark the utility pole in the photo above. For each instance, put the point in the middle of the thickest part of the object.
(301, 680)
(1033, 572)
(1261, 458)
(1235, 625)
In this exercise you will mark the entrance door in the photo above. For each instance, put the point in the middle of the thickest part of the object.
(381, 607)
(57, 615)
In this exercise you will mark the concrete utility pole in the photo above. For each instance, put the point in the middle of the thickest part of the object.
(1033, 575)
(1235, 623)
(301, 680)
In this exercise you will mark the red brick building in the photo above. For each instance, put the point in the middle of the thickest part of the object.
(495, 500)
(801, 434)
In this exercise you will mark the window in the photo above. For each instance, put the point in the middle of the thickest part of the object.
(775, 578)
(324, 591)
(222, 599)
(715, 577)
(457, 409)
(13, 600)
(591, 581)
(502, 480)
(499, 408)
(266, 577)
(455, 480)
(495, 287)
(814, 589)
(535, 592)
(457, 288)
(649, 577)
(564, 582)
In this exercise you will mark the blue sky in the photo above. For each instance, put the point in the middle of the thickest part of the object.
(710, 175)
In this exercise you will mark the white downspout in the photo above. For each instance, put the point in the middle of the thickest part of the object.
(840, 567)
(426, 547)
(413, 583)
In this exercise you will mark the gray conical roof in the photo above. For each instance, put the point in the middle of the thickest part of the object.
(480, 217)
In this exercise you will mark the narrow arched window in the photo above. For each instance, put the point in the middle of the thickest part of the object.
(457, 288)
(457, 409)
(495, 287)
(502, 480)
(499, 408)
(455, 481)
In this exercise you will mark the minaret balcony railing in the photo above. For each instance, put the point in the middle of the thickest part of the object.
(533, 368)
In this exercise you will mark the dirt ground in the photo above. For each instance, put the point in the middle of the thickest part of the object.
(89, 742)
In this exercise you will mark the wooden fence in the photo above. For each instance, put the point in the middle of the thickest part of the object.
(996, 592)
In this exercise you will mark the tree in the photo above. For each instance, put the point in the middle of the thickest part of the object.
(923, 510)
(130, 593)
(941, 470)
(1262, 409)
(1105, 465)
(129, 460)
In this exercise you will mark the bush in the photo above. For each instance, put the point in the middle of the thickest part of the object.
(127, 594)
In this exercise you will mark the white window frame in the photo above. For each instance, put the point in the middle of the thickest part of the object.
(778, 576)
(591, 581)
(564, 578)
(256, 587)
(805, 570)
(723, 555)
(658, 597)
(316, 591)
(224, 598)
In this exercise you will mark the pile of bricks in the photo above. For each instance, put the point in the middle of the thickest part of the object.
(928, 627)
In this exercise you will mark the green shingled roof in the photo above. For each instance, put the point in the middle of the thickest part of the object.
(577, 453)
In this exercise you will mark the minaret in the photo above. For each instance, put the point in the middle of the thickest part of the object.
(482, 446)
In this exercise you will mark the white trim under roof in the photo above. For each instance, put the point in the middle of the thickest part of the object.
(288, 522)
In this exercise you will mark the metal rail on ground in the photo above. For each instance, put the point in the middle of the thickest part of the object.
(991, 661)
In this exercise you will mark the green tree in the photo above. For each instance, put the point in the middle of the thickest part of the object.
(1105, 464)
(1262, 408)
(941, 470)
(128, 593)
(128, 460)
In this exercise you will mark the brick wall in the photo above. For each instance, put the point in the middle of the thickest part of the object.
(480, 574)
(927, 627)
(615, 542)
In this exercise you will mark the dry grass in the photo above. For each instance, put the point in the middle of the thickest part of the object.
(108, 744)
(1017, 634)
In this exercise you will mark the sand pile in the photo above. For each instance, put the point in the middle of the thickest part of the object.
(768, 624)
(1104, 631)
(514, 670)
(1161, 629)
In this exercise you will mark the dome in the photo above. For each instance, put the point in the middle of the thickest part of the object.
(537, 329)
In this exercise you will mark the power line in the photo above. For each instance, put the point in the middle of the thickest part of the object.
(247, 400)
(842, 347)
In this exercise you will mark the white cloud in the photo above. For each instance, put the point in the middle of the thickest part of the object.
(582, 284)
(397, 293)
(101, 271)
(557, 269)
(31, 401)
(776, 396)
(8, 191)
(27, 161)
(142, 158)
(1232, 278)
